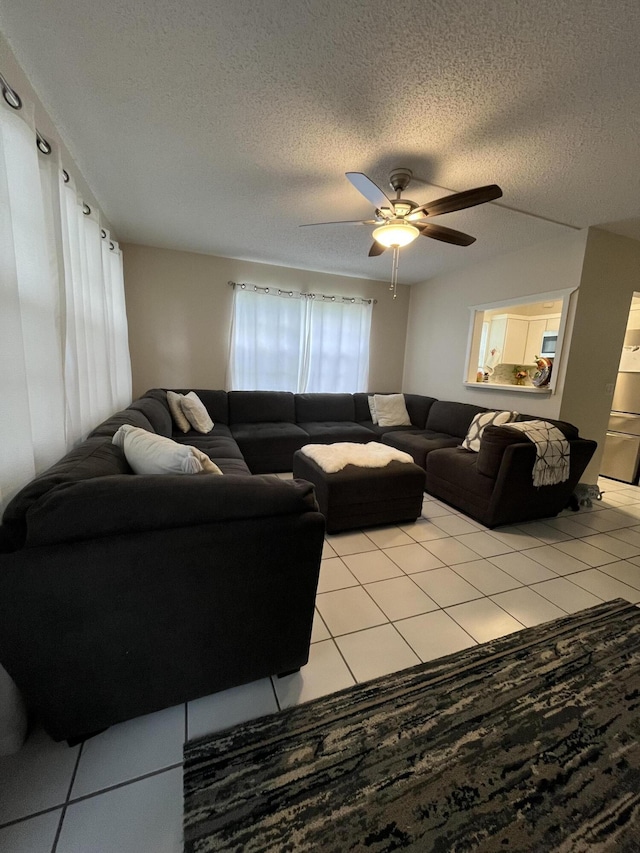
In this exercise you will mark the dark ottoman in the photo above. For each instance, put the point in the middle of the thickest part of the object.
(361, 497)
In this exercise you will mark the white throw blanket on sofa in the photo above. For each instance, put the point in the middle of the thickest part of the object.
(552, 452)
(334, 457)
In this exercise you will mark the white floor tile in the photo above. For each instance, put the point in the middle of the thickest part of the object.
(450, 551)
(569, 526)
(522, 567)
(455, 525)
(130, 749)
(413, 558)
(557, 561)
(372, 566)
(375, 652)
(327, 551)
(143, 817)
(422, 530)
(624, 571)
(566, 594)
(544, 532)
(334, 575)
(350, 543)
(609, 519)
(446, 587)
(230, 707)
(348, 610)
(515, 538)
(605, 587)
(433, 635)
(433, 509)
(399, 598)
(325, 673)
(581, 550)
(486, 577)
(36, 778)
(527, 606)
(387, 537)
(35, 835)
(484, 620)
(484, 544)
(631, 536)
(319, 630)
(611, 545)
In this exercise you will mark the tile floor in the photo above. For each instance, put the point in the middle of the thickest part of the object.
(388, 598)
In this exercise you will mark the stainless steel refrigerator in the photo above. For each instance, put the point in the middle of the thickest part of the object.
(621, 455)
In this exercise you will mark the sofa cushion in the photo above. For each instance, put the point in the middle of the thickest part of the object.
(148, 453)
(214, 401)
(480, 422)
(157, 411)
(391, 410)
(195, 412)
(454, 476)
(258, 407)
(452, 418)
(269, 447)
(327, 432)
(95, 457)
(419, 443)
(108, 428)
(324, 407)
(214, 444)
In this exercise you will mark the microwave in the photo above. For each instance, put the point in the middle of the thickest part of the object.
(548, 345)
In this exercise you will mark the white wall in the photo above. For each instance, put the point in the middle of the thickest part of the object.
(179, 310)
(439, 320)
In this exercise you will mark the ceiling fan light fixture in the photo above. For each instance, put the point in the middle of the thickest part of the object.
(395, 233)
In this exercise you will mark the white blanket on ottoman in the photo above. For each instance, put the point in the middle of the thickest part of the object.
(334, 457)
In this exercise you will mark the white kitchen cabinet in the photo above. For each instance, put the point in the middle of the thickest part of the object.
(509, 335)
(534, 340)
(553, 324)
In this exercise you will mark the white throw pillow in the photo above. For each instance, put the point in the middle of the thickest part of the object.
(480, 422)
(177, 414)
(372, 408)
(196, 412)
(391, 410)
(148, 453)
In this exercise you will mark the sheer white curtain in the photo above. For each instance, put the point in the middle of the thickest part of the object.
(32, 434)
(283, 342)
(64, 357)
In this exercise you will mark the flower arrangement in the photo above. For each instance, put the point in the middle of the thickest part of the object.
(520, 375)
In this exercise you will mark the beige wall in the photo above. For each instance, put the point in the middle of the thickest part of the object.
(439, 320)
(179, 311)
(610, 274)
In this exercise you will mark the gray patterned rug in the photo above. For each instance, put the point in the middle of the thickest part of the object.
(527, 743)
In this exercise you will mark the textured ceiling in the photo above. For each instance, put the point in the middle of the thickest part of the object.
(219, 127)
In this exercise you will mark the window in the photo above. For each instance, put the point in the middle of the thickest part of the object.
(288, 341)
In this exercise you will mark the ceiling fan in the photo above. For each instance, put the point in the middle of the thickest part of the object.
(401, 220)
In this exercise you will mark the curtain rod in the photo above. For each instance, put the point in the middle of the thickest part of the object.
(280, 292)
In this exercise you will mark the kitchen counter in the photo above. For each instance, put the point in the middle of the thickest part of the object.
(499, 386)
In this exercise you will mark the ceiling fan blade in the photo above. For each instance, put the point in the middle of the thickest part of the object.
(447, 235)
(459, 201)
(368, 189)
(344, 222)
(376, 249)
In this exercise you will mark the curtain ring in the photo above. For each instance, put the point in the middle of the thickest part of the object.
(111, 246)
(65, 176)
(103, 233)
(42, 143)
(85, 208)
(10, 95)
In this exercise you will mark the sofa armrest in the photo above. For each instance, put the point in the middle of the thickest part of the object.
(105, 506)
(495, 440)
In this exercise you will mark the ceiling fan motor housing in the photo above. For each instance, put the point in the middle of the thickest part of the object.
(399, 179)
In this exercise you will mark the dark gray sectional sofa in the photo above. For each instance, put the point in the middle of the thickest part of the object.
(122, 594)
